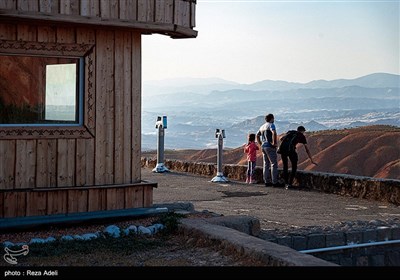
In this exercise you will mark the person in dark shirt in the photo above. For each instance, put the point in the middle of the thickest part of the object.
(292, 155)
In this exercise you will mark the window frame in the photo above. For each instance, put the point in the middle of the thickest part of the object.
(86, 96)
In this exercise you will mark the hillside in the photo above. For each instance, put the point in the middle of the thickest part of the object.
(372, 151)
(196, 107)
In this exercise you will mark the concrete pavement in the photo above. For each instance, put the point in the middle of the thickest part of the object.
(274, 207)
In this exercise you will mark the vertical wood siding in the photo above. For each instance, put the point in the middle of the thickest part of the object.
(68, 168)
(113, 155)
(180, 12)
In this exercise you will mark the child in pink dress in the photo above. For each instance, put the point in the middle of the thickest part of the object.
(251, 150)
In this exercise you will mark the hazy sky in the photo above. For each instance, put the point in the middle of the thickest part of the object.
(299, 41)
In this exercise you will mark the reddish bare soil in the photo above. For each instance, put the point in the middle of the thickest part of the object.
(372, 151)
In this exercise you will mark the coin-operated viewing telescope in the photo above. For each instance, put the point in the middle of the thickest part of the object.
(161, 125)
(220, 178)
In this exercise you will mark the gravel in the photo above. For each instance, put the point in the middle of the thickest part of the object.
(346, 226)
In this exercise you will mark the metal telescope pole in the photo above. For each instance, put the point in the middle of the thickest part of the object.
(220, 178)
(161, 125)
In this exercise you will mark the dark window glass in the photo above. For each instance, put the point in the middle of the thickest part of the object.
(39, 90)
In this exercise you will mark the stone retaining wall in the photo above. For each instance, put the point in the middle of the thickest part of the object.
(232, 241)
(382, 255)
(385, 190)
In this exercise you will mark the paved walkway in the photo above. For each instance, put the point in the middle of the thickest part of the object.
(274, 207)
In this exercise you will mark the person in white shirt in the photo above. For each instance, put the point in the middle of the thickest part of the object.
(268, 140)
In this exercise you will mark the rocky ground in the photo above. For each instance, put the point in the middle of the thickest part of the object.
(346, 226)
(175, 250)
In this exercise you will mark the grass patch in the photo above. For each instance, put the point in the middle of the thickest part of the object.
(123, 245)
(105, 250)
(171, 221)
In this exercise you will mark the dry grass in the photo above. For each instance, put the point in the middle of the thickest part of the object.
(167, 248)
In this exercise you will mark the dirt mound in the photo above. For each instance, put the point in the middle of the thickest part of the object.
(390, 170)
(203, 154)
(372, 151)
(358, 153)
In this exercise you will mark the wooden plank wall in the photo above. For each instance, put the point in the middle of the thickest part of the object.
(113, 155)
(180, 12)
(40, 202)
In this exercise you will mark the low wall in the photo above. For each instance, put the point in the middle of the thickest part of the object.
(384, 255)
(232, 241)
(381, 255)
(385, 190)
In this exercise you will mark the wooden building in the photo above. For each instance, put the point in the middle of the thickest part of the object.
(70, 101)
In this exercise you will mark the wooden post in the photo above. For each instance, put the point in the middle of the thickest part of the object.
(57, 202)
(127, 102)
(7, 164)
(25, 164)
(104, 168)
(10, 4)
(36, 203)
(46, 171)
(119, 108)
(128, 9)
(147, 196)
(77, 201)
(86, 147)
(97, 200)
(169, 11)
(14, 204)
(1, 205)
(136, 107)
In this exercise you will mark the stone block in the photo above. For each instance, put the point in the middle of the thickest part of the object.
(393, 259)
(346, 262)
(377, 260)
(362, 261)
(353, 237)
(176, 206)
(369, 235)
(267, 234)
(285, 241)
(246, 224)
(332, 258)
(335, 239)
(395, 233)
(315, 241)
(299, 243)
(383, 233)
(271, 239)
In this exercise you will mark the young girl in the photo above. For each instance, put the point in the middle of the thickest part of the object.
(251, 150)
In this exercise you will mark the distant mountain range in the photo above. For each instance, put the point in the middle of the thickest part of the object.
(196, 107)
(207, 85)
(372, 151)
(376, 80)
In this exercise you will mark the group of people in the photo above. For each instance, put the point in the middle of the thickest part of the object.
(267, 139)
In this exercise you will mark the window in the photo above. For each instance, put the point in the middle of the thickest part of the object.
(41, 91)
(47, 90)
(60, 98)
